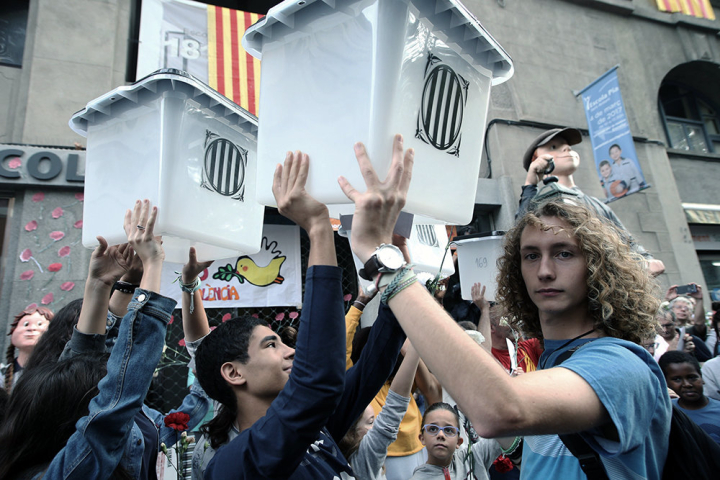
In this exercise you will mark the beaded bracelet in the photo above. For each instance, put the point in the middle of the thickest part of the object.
(190, 288)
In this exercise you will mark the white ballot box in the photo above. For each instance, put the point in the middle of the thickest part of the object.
(192, 152)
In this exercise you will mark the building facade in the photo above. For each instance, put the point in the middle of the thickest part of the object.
(61, 54)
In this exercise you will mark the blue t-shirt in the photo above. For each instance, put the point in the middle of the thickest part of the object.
(632, 388)
(707, 418)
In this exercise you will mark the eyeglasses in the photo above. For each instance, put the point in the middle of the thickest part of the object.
(433, 430)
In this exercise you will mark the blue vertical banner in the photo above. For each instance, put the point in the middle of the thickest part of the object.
(613, 147)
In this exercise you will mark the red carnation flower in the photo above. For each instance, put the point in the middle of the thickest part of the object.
(177, 421)
(503, 464)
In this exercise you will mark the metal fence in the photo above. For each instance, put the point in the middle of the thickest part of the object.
(171, 382)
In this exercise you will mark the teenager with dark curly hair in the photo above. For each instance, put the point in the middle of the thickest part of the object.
(567, 277)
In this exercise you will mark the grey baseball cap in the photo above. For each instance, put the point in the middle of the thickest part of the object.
(571, 135)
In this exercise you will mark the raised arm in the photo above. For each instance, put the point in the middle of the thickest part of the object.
(195, 322)
(403, 381)
(95, 449)
(570, 405)
(296, 204)
(699, 313)
(107, 265)
(478, 297)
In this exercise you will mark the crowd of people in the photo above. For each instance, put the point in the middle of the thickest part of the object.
(580, 370)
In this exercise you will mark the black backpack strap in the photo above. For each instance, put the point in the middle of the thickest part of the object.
(589, 459)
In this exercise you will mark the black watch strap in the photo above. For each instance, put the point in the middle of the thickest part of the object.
(125, 287)
(370, 269)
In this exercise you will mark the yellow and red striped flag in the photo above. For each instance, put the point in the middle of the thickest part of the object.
(696, 8)
(231, 70)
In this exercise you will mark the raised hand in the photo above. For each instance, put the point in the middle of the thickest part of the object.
(193, 268)
(294, 202)
(477, 293)
(377, 209)
(108, 264)
(139, 227)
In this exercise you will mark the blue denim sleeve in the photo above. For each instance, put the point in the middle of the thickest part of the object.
(82, 343)
(274, 446)
(96, 447)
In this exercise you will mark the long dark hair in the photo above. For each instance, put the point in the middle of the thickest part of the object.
(51, 344)
(43, 409)
(228, 342)
(10, 352)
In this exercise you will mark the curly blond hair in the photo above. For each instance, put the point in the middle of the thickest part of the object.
(622, 297)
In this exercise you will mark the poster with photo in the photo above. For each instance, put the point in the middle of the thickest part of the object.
(613, 147)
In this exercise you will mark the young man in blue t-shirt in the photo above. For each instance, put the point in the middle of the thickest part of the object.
(566, 277)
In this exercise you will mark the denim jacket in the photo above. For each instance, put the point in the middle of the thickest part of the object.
(96, 447)
(196, 404)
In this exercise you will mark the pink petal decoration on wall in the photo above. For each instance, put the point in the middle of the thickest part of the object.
(31, 225)
(26, 255)
(293, 315)
(27, 275)
(181, 342)
(58, 212)
(64, 251)
(38, 197)
(80, 197)
(31, 306)
(54, 267)
(226, 317)
(67, 286)
(47, 299)
(15, 163)
(78, 224)
(280, 316)
(57, 235)
(347, 297)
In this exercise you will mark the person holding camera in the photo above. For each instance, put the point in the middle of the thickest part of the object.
(674, 337)
(551, 153)
(687, 303)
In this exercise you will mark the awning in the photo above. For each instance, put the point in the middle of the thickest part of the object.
(702, 213)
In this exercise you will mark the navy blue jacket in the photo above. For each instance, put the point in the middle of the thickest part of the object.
(297, 438)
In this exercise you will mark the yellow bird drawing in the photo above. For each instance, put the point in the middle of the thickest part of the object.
(247, 269)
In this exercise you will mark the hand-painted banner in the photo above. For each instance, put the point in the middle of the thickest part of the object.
(612, 142)
(203, 40)
(271, 277)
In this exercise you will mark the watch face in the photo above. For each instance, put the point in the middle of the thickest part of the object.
(390, 258)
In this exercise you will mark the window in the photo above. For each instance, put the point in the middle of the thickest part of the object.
(13, 27)
(691, 122)
(710, 264)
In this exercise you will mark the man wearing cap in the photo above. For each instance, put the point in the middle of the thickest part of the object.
(552, 152)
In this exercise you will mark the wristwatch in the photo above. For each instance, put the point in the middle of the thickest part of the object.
(386, 259)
